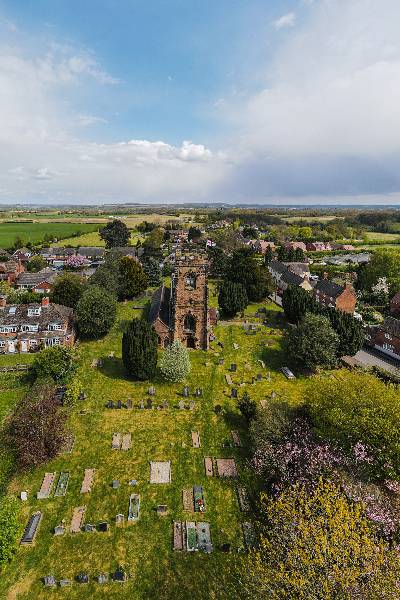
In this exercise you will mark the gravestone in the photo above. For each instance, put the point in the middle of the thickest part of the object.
(162, 510)
(120, 575)
(192, 405)
(129, 404)
(103, 526)
(233, 368)
(82, 578)
(82, 396)
(181, 404)
(119, 404)
(115, 484)
(89, 528)
(24, 496)
(59, 530)
(65, 582)
(110, 404)
(49, 581)
(152, 391)
(165, 404)
(198, 393)
(149, 403)
(268, 376)
(186, 392)
(234, 393)
(259, 376)
(141, 405)
(133, 482)
(102, 578)
(221, 361)
(119, 519)
(273, 394)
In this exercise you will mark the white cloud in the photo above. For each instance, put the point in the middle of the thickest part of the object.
(284, 21)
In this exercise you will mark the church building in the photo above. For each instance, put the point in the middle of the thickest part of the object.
(181, 311)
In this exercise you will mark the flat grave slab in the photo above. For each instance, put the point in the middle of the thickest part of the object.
(208, 466)
(226, 467)
(126, 441)
(196, 439)
(77, 519)
(236, 439)
(87, 481)
(160, 471)
(187, 499)
(47, 486)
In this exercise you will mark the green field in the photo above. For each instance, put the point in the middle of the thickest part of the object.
(145, 547)
(36, 232)
(94, 239)
(373, 236)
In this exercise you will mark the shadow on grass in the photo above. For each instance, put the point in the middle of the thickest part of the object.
(274, 358)
(113, 368)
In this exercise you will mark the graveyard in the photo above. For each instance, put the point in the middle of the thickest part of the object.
(151, 466)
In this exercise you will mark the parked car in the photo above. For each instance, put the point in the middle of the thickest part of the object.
(288, 373)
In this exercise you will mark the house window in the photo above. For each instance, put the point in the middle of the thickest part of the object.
(388, 336)
(2, 344)
(388, 347)
(32, 328)
(9, 329)
(54, 326)
(34, 311)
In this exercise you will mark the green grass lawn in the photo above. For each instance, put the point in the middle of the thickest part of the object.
(94, 239)
(145, 547)
(372, 236)
(35, 232)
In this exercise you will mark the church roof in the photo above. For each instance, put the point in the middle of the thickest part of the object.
(160, 305)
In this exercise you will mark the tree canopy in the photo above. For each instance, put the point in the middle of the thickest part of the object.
(132, 278)
(115, 234)
(95, 312)
(243, 268)
(175, 363)
(313, 342)
(385, 262)
(57, 362)
(318, 546)
(68, 289)
(139, 350)
(232, 298)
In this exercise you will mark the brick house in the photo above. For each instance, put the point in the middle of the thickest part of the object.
(318, 246)
(261, 246)
(333, 295)
(295, 246)
(22, 254)
(285, 274)
(40, 282)
(395, 305)
(10, 270)
(29, 327)
(386, 337)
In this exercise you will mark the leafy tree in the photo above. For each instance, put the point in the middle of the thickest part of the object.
(132, 278)
(232, 298)
(243, 268)
(359, 408)
(175, 362)
(313, 343)
(296, 302)
(68, 289)
(57, 362)
(349, 330)
(9, 528)
(95, 312)
(36, 429)
(250, 232)
(247, 407)
(218, 261)
(139, 350)
(115, 234)
(194, 233)
(318, 546)
(152, 269)
(154, 240)
(107, 275)
(36, 263)
(26, 297)
(19, 242)
(269, 255)
(385, 262)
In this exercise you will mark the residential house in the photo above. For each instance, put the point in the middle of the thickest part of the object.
(40, 282)
(386, 337)
(331, 294)
(10, 270)
(261, 246)
(29, 327)
(178, 236)
(295, 246)
(57, 257)
(92, 253)
(285, 274)
(318, 246)
(4, 255)
(22, 254)
(348, 247)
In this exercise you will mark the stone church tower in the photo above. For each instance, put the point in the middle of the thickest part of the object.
(189, 301)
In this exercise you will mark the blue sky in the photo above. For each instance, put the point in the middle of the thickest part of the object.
(171, 101)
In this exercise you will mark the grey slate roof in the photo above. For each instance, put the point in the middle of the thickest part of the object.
(277, 266)
(329, 288)
(91, 251)
(292, 278)
(53, 313)
(36, 278)
(160, 305)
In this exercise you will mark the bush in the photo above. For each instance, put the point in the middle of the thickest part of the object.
(95, 313)
(58, 362)
(175, 363)
(9, 528)
(36, 429)
(139, 350)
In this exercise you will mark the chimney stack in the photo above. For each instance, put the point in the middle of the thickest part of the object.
(3, 301)
(45, 302)
(325, 275)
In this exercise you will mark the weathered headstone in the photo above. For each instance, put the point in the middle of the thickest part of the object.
(119, 404)
(119, 519)
(59, 530)
(259, 376)
(115, 484)
(192, 405)
(181, 404)
(89, 528)
(24, 496)
(165, 404)
(221, 361)
(198, 393)
(149, 403)
(186, 392)
(141, 404)
(152, 391)
(129, 404)
(103, 526)
(102, 578)
(234, 393)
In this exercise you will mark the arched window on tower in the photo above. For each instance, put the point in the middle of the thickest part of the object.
(190, 281)
(189, 323)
